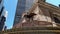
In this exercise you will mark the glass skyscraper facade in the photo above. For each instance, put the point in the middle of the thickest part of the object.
(3, 15)
(22, 5)
(1, 10)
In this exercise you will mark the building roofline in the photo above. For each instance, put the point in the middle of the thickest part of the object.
(50, 6)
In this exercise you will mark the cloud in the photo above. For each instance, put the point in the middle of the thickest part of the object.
(9, 27)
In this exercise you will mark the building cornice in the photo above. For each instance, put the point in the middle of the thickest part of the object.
(50, 6)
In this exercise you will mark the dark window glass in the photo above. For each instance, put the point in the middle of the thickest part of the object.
(3, 19)
(1, 10)
(0, 1)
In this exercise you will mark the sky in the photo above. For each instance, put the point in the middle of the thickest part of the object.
(10, 6)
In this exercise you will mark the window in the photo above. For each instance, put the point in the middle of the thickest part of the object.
(3, 19)
(56, 19)
(1, 11)
(0, 1)
(18, 18)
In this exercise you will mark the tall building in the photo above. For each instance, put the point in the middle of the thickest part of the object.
(22, 5)
(46, 14)
(42, 18)
(3, 15)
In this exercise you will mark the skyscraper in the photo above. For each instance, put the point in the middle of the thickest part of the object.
(3, 15)
(22, 5)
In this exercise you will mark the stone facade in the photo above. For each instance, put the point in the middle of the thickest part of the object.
(44, 16)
